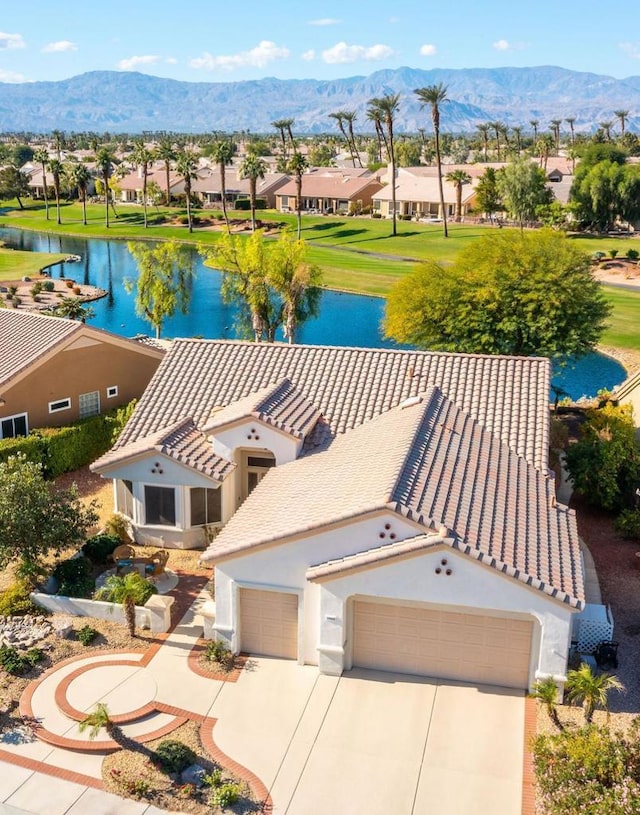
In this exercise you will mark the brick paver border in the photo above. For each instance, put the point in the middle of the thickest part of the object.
(231, 676)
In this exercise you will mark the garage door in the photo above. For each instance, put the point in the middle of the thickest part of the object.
(269, 623)
(448, 645)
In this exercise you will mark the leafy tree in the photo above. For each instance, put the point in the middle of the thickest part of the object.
(487, 194)
(590, 690)
(458, 178)
(408, 153)
(252, 167)
(605, 192)
(41, 155)
(508, 293)
(21, 154)
(321, 155)
(187, 166)
(523, 188)
(593, 153)
(35, 518)
(434, 96)
(605, 463)
(14, 184)
(143, 157)
(298, 165)
(164, 280)
(385, 109)
(223, 151)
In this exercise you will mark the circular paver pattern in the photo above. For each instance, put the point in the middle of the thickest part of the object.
(123, 688)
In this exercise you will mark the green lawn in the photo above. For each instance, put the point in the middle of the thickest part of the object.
(624, 330)
(15, 264)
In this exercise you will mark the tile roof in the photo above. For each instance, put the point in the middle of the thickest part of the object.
(425, 188)
(349, 386)
(181, 441)
(331, 186)
(432, 463)
(281, 405)
(24, 337)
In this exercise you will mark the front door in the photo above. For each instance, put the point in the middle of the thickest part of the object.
(257, 465)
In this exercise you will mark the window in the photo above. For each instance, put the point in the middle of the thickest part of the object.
(112, 391)
(89, 404)
(61, 404)
(160, 506)
(255, 470)
(13, 426)
(206, 506)
(124, 497)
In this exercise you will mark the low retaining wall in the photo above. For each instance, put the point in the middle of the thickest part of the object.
(77, 607)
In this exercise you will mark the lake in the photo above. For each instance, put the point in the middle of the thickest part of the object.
(344, 319)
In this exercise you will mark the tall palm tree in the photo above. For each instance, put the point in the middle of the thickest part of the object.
(252, 167)
(434, 96)
(606, 128)
(571, 120)
(590, 690)
(223, 151)
(350, 117)
(555, 129)
(282, 126)
(498, 128)
(142, 157)
(166, 152)
(543, 148)
(387, 107)
(622, 115)
(458, 178)
(104, 161)
(338, 116)
(483, 130)
(41, 155)
(56, 170)
(298, 164)
(373, 115)
(57, 137)
(517, 132)
(546, 691)
(80, 177)
(534, 125)
(186, 166)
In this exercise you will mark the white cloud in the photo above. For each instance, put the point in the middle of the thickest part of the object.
(11, 41)
(59, 47)
(632, 49)
(309, 55)
(12, 76)
(264, 53)
(132, 62)
(325, 21)
(342, 53)
(505, 45)
(171, 61)
(428, 50)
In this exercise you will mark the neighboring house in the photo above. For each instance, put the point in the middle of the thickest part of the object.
(208, 186)
(418, 196)
(130, 185)
(55, 371)
(329, 189)
(384, 509)
(36, 183)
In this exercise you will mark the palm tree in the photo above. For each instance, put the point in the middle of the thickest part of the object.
(555, 129)
(129, 590)
(350, 117)
(73, 309)
(546, 691)
(387, 107)
(252, 167)
(517, 132)
(186, 166)
(166, 152)
(222, 151)
(590, 690)
(498, 128)
(142, 158)
(41, 155)
(373, 115)
(96, 720)
(338, 116)
(458, 178)
(56, 169)
(534, 124)
(58, 142)
(282, 125)
(104, 161)
(484, 132)
(606, 127)
(571, 120)
(622, 115)
(298, 165)
(434, 96)
(80, 177)
(543, 147)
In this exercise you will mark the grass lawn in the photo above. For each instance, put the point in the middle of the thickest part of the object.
(624, 330)
(15, 264)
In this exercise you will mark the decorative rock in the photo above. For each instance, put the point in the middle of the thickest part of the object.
(24, 632)
(51, 586)
(63, 626)
(193, 774)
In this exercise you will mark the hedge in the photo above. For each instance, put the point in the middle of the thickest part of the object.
(64, 449)
(245, 203)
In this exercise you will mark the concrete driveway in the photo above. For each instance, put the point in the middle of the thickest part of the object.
(373, 743)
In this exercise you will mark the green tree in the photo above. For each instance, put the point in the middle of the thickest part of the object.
(80, 177)
(408, 153)
(508, 293)
(606, 192)
(458, 178)
(546, 691)
(523, 188)
(252, 167)
(164, 279)
(433, 96)
(13, 184)
(622, 116)
(487, 194)
(142, 157)
(105, 160)
(322, 155)
(41, 155)
(590, 690)
(73, 309)
(187, 167)
(36, 519)
(384, 109)
(166, 153)
(56, 170)
(129, 590)
(297, 166)
(223, 151)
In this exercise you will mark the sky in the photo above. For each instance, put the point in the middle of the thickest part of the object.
(214, 41)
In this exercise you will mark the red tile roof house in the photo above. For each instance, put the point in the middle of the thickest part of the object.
(208, 186)
(329, 190)
(55, 371)
(377, 508)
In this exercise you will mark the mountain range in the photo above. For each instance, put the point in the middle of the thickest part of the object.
(133, 102)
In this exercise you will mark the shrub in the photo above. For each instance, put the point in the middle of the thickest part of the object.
(627, 524)
(633, 254)
(48, 285)
(225, 795)
(214, 779)
(613, 253)
(17, 664)
(376, 215)
(217, 651)
(98, 548)
(32, 447)
(86, 635)
(118, 527)
(174, 756)
(16, 600)
(36, 289)
(75, 577)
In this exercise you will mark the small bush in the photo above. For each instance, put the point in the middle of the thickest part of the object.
(75, 577)
(99, 547)
(17, 664)
(86, 635)
(48, 285)
(16, 600)
(613, 253)
(174, 756)
(633, 254)
(627, 524)
(376, 215)
(217, 651)
(36, 289)
(214, 779)
(225, 796)
(118, 527)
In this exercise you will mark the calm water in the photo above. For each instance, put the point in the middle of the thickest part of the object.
(345, 319)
